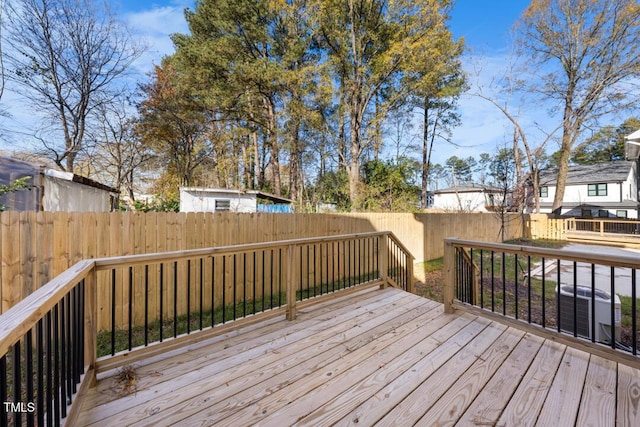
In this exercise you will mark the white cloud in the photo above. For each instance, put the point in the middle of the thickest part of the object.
(153, 28)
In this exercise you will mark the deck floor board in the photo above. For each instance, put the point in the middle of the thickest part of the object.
(377, 357)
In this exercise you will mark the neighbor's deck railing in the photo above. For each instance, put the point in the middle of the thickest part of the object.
(132, 307)
(603, 226)
(535, 288)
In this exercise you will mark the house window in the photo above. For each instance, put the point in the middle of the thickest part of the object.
(223, 205)
(603, 214)
(544, 191)
(621, 214)
(597, 189)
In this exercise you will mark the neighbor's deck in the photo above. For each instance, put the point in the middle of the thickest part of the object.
(382, 357)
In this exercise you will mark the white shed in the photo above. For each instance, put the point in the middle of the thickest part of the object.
(197, 199)
(466, 198)
(54, 191)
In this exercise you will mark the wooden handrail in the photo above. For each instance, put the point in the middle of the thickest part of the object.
(625, 261)
(23, 316)
(107, 263)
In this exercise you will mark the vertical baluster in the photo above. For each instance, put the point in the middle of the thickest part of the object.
(68, 346)
(544, 294)
(175, 299)
(40, 377)
(481, 278)
(4, 420)
(49, 370)
(280, 277)
(529, 288)
(213, 291)
(504, 284)
(515, 279)
(224, 289)
(321, 265)
(146, 304)
(130, 313)
(233, 283)
(300, 272)
(161, 316)
(613, 307)
(575, 299)
(56, 366)
(244, 284)
(593, 303)
(271, 280)
(17, 381)
(188, 296)
(113, 311)
(29, 368)
(634, 314)
(201, 291)
(493, 293)
(255, 254)
(558, 321)
(263, 280)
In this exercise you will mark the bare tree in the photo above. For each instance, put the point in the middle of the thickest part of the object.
(590, 52)
(118, 152)
(66, 56)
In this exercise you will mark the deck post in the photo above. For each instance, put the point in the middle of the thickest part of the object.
(91, 323)
(291, 289)
(449, 275)
(411, 280)
(383, 259)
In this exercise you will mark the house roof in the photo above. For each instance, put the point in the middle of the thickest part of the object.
(258, 194)
(469, 188)
(617, 171)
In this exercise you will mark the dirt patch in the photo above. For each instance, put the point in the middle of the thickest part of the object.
(430, 285)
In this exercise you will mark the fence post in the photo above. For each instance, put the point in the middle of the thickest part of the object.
(383, 259)
(291, 289)
(410, 279)
(91, 323)
(449, 276)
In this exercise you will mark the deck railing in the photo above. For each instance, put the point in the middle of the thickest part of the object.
(591, 298)
(104, 313)
(602, 226)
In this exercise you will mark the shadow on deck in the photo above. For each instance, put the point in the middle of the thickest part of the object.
(384, 357)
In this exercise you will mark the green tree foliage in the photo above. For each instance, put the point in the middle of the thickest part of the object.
(605, 145)
(388, 186)
(290, 83)
(12, 187)
(461, 170)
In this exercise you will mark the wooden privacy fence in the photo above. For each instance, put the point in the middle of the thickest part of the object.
(35, 247)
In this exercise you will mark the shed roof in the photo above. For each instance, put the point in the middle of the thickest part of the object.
(616, 171)
(469, 188)
(258, 194)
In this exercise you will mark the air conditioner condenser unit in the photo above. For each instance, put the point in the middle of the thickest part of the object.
(584, 317)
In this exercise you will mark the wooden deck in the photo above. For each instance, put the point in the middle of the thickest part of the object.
(377, 357)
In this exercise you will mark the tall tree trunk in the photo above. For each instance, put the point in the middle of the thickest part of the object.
(274, 149)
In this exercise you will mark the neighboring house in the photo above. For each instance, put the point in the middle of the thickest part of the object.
(196, 199)
(467, 198)
(600, 190)
(54, 191)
